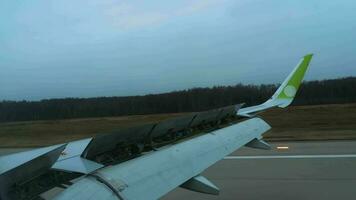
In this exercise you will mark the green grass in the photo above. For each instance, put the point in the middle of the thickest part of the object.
(326, 122)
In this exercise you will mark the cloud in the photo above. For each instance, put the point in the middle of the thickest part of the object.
(130, 16)
(198, 5)
(127, 16)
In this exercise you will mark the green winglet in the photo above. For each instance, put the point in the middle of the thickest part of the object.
(288, 89)
(285, 93)
(292, 85)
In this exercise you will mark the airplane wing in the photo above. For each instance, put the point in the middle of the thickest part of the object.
(144, 162)
(156, 173)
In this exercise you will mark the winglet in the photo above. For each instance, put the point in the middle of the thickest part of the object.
(287, 91)
(285, 94)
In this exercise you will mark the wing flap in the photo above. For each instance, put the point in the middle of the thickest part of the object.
(258, 144)
(24, 166)
(202, 185)
(77, 164)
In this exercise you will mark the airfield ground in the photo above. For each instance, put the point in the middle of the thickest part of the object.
(320, 122)
(307, 170)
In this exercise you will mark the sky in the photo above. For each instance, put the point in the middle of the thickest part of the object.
(90, 48)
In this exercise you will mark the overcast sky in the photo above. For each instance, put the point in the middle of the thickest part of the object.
(88, 48)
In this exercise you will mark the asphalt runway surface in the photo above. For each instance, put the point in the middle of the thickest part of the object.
(306, 170)
(297, 170)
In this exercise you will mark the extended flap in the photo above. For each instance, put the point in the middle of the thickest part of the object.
(258, 144)
(201, 184)
(77, 164)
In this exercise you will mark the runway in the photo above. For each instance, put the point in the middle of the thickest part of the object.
(306, 170)
(291, 170)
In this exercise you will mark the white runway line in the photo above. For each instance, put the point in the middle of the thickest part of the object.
(290, 156)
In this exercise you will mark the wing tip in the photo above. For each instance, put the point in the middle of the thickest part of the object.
(309, 55)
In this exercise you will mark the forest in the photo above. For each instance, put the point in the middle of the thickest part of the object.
(331, 91)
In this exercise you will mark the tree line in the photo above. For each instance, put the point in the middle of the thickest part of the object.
(342, 90)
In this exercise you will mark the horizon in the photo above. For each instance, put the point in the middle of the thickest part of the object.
(64, 49)
(173, 91)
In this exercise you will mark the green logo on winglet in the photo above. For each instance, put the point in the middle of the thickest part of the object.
(295, 80)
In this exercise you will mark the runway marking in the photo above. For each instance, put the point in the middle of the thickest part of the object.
(291, 156)
(282, 147)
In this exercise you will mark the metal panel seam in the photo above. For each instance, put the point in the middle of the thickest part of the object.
(108, 184)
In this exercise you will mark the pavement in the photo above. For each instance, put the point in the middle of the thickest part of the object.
(6, 151)
(299, 170)
(291, 170)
